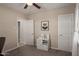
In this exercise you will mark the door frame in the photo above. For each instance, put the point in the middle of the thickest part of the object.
(20, 20)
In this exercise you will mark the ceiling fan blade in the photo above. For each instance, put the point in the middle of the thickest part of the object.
(36, 5)
(25, 6)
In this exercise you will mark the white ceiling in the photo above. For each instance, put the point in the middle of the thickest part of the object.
(31, 9)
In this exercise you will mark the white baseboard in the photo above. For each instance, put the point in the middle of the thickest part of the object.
(59, 49)
(5, 52)
(8, 50)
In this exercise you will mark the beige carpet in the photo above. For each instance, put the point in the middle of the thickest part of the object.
(32, 51)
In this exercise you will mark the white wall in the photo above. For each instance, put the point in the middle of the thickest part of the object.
(8, 26)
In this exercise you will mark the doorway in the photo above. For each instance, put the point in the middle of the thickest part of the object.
(28, 32)
(25, 32)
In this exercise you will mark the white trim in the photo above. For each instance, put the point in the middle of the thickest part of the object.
(60, 49)
(19, 19)
(10, 49)
(5, 52)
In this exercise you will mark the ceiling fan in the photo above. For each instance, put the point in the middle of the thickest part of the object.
(34, 4)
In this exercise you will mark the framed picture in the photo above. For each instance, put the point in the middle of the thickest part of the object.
(44, 25)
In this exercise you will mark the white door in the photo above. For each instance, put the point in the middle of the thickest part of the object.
(65, 31)
(27, 32)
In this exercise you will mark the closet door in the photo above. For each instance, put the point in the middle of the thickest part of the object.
(65, 32)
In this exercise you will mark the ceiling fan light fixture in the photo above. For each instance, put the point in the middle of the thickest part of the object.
(30, 4)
